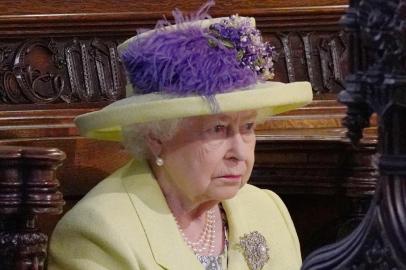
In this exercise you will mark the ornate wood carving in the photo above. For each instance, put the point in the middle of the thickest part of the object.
(28, 187)
(86, 70)
(60, 71)
(377, 84)
(72, 58)
(318, 57)
(33, 74)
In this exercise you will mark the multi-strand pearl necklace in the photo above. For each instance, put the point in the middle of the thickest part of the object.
(207, 237)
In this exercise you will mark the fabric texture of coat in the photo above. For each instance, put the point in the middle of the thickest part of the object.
(124, 223)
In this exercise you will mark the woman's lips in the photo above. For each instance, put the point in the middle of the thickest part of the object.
(231, 177)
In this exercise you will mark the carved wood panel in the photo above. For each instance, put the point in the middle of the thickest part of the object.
(60, 71)
(72, 58)
(318, 57)
(82, 70)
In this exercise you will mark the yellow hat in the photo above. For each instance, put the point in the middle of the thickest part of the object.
(193, 68)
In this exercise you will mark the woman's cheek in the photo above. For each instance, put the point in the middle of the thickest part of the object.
(212, 147)
(213, 144)
(205, 153)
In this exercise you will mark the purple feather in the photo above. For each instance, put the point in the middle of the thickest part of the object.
(184, 61)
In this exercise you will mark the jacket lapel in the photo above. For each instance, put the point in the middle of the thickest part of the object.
(237, 227)
(168, 248)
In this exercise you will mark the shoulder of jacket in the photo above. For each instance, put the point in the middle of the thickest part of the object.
(252, 193)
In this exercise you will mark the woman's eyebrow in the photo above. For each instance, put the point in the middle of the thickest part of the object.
(251, 116)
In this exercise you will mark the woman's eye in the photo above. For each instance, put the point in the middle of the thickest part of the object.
(249, 126)
(219, 128)
(217, 131)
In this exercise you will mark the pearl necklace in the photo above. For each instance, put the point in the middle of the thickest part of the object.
(207, 237)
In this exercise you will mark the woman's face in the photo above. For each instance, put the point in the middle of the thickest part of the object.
(210, 157)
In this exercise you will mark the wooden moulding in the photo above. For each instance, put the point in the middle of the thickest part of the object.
(126, 23)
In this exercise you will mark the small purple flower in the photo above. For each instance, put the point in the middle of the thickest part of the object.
(237, 33)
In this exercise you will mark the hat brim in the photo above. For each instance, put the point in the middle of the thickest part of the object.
(268, 98)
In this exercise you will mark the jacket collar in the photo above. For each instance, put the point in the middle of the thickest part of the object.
(160, 226)
(166, 243)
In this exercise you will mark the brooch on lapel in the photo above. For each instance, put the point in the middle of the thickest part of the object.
(255, 250)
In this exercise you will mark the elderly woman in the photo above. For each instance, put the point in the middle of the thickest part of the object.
(199, 88)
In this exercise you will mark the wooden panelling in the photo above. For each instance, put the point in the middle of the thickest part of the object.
(115, 23)
(87, 70)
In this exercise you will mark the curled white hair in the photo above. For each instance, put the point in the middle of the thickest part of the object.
(134, 136)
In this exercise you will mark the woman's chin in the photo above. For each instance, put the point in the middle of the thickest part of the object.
(227, 192)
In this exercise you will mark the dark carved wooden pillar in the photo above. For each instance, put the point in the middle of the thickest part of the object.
(28, 188)
(377, 84)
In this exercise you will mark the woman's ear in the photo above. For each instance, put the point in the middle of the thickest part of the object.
(154, 144)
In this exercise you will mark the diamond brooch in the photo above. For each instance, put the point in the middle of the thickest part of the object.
(255, 249)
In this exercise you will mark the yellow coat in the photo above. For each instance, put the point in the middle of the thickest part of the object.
(124, 223)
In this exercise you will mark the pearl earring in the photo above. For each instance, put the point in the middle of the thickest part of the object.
(159, 161)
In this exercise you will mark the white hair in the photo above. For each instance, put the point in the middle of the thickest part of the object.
(134, 136)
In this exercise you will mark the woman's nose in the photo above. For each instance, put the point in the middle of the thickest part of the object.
(239, 149)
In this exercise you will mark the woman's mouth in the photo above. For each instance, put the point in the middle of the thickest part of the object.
(231, 176)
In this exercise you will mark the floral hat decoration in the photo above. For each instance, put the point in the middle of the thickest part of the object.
(197, 66)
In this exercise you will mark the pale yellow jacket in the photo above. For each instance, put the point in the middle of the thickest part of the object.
(124, 223)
